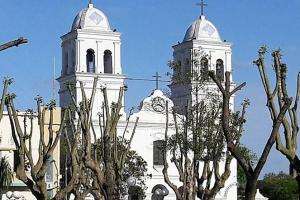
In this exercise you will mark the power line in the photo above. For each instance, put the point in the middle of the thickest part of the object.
(149, 80)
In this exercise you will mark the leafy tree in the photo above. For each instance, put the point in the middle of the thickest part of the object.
(6, 175)
(279, 187)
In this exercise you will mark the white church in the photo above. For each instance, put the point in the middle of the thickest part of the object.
(92, 49)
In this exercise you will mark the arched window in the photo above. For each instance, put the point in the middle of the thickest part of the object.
(158, 152)
(108, 62)
(220, 69)
(90, 60)
(204, 69)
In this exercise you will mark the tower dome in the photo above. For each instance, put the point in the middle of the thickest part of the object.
(202, 29)
(92, 19)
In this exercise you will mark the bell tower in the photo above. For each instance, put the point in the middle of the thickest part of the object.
(201, 50)
(91, 49)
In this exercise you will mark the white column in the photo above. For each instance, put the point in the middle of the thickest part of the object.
(78, 53)
(114, 59)
(228, 61)
(118, 58)
(98, 57)
(101, 61)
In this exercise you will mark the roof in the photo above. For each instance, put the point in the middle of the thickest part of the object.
(202, 29)
(91, 18)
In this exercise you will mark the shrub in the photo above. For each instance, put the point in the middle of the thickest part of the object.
(279, 186)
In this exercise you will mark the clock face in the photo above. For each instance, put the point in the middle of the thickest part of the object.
(209, 29)
(96, 18)
(158, 104)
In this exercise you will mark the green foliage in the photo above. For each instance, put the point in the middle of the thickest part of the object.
(6, 173)
(137, 193)
(135, 166)
(279, 186)
(204, 136)
(241, 177)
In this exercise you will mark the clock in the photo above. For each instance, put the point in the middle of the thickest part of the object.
(96, 18)
(158, 104)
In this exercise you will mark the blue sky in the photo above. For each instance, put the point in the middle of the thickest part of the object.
(149, 29)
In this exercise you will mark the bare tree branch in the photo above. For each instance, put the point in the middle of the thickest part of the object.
(13, 43)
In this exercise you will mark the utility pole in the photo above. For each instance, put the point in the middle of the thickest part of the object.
(53, 79)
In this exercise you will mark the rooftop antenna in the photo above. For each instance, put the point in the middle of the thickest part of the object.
(53, 79)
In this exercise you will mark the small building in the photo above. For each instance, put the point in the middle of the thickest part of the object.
(18, 190)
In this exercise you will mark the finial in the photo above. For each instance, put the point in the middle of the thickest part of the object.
(202, 4)
(90, 5)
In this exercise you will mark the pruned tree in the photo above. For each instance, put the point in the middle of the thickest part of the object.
(6, 175)
(98, 158)
(286, 138)
(6, 83)
(197, 148)
(252, 172)
(105, 166)
(32, 171)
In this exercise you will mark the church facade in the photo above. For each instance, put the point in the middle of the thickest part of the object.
(92, 49)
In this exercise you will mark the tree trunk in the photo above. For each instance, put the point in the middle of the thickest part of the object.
(209, 196)
(112, 189)
(250, 191)
(292, 171)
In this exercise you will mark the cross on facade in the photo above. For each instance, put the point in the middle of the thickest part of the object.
(202, 4)
(157, 76)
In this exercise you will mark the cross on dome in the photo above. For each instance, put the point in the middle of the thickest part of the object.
(157, 77)
(202, 5)
(202, 29)
(90, 2)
